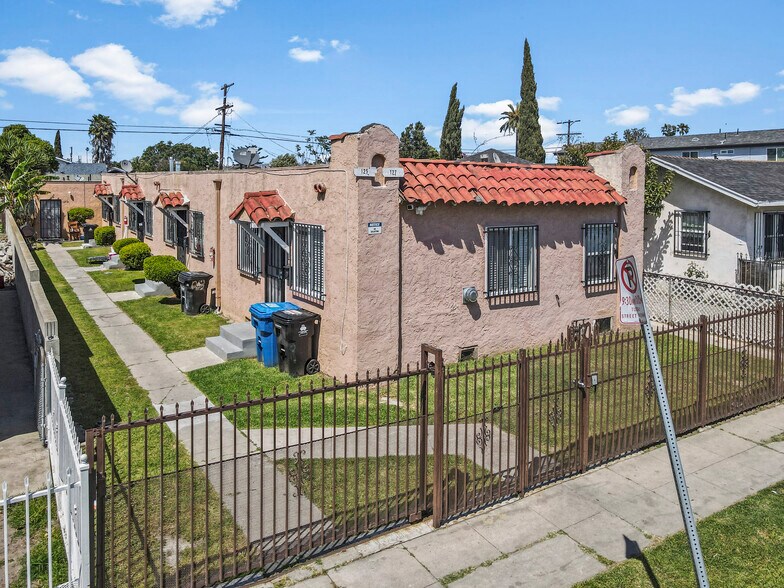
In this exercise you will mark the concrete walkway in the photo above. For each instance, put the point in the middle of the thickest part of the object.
(21, 451)
(552, 537)
(168, 387)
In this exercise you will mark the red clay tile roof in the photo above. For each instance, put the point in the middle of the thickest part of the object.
(338, 137)
(169, 199)
(131, 192)
(263, 206)
(605, 152)
(102, 189)
(455, 182)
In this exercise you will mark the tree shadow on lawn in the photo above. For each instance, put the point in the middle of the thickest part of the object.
(89, 398)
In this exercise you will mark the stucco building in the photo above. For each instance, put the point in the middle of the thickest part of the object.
(383, 248)
(762, 145)
(720, 216)
(51, 222)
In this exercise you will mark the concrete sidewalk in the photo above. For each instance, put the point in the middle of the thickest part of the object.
(21, 451)
(566, 532)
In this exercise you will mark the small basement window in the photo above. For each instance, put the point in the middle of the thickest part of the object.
(602, 325)
(467, 353)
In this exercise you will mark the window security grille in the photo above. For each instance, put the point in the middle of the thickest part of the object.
(249, 251)
(105, 211)
(169, 228)
(773, 241)
(308, 260)
(511, 262)
(599, 253)
(196, 233)
(116, 205)
(148, 218)
(691, 233)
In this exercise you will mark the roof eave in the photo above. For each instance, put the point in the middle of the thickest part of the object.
(706, 182)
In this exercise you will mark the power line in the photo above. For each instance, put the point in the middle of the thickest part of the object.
(568, 134)
(222, 109)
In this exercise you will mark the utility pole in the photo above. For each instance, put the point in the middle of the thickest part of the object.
(568, 134)
(223, 109)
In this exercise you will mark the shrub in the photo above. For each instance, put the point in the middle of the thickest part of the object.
(133, 255)
(164, 268)
(80, 214)
(120, 243)
(105, 235)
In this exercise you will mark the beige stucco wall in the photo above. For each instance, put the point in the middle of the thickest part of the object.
(731, 226)
(71, 195)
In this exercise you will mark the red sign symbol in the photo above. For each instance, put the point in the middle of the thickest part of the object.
(629, 277)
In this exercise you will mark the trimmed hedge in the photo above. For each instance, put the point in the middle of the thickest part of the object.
(105, 235)
(80, 214)
(164, 268)
(133, 255)
(120, 243)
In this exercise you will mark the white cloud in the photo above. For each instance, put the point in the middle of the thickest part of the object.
(4, 104)
(481, 126)
(549, 102)
(626, 116)
(779, 88)
(685, 103)
(202, 109)
(488, 109)
(40, 73)
(77, 15)
(340, 46)
(305, 55)
(124, 76)
(781, 73)
(196, 13)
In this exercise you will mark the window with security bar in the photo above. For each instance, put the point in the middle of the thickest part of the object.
(511, 260)
(116, 206)
(691, 233)
(307, 260)
(148, 208)
(599, 253)
(106, 211)
(773, 241)
(169, 228)
(249, 249)
(196, 233)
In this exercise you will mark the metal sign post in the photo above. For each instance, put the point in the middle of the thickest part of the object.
(633, 312)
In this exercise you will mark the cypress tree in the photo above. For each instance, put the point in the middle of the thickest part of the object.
(451, 139)
(58, 148)
(529, 133)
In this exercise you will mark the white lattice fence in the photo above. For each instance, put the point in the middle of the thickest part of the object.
(676, 300)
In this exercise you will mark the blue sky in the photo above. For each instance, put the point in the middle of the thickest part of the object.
(335, 66)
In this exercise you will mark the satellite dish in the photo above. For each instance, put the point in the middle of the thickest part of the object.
(126, 166)
(246, 156)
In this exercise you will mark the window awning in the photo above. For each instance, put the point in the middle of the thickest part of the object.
(131, 192)
(103, 189)
(262, 207)
(171, 200)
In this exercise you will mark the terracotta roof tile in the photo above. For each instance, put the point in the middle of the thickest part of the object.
(170, 199)
(102, 189)
(263, 206)
(131, 192)
(605, 152)
(499, 183)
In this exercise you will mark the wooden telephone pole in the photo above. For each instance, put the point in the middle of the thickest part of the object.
(223, 109)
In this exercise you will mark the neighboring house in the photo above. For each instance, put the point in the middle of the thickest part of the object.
(384, 256)
(51, 222)
(72, 171)
(717, 212)
(494, 156)
(766, 145)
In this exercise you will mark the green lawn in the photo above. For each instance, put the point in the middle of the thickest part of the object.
(742, 546)
(101, 385)
(172, 329)
(117, 280)
(69, 244)
(81, 255)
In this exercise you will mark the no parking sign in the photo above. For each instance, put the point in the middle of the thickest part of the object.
(630, 289)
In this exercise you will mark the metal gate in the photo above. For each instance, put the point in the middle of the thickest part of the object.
(276, 267)
(182, 236)
(51, 220)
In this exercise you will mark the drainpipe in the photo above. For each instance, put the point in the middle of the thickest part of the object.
(218, 222)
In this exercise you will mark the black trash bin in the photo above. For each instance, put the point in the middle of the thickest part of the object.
(89, 231)
(298, 334)
(193, 292)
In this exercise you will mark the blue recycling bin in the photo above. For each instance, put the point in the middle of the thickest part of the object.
(266, 340)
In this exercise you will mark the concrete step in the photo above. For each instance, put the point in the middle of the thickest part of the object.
(226, 350)
(149, 288)
(113, 263)
(242, 335)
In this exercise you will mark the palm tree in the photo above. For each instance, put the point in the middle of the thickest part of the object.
(101, 131)
(511, 119)
(683, 129)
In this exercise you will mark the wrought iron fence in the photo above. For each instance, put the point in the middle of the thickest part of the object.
(285, 476)
(766, 274)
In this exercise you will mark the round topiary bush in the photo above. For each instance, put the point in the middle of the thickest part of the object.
(133, 255)
(80, 214)
(120, 243)
(105, 235)
(164, 268)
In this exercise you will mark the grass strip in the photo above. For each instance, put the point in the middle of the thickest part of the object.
(81, 255)
(117, 280)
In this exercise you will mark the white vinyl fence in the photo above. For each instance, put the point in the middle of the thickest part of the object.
(68, 483)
